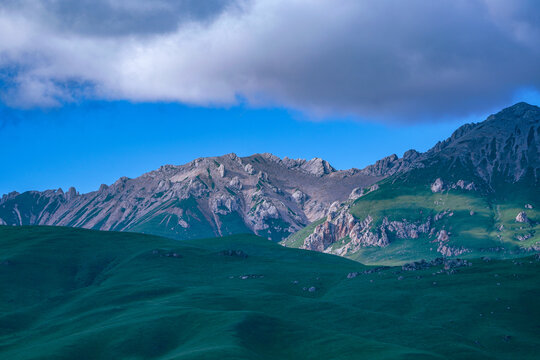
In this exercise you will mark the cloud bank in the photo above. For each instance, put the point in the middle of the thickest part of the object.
(388, 59)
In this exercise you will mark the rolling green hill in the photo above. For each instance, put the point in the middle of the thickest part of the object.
(69, 293)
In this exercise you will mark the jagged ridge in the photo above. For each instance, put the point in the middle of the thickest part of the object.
(214, 196)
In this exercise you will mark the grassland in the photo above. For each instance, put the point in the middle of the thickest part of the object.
(82, 294)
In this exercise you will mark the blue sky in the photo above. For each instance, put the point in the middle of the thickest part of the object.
(93, 90)
(91, 143)
(97, 142)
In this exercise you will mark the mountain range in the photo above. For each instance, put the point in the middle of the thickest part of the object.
(476, 192)
(207, 197)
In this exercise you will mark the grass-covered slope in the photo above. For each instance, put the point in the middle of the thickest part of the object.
(482, 222)
(81, 294)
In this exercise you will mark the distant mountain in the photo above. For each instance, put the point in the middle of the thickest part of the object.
(476, 192)
(207, 197)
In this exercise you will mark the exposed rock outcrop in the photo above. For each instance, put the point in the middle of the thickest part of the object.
(522, 217)
(318, 167)
(356, 193)
(340, 224)
(437, 186)
(341, 233)
(221, 170)
(299, 197)
(249, 169)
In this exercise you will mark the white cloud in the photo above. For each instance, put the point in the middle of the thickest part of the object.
(385, 59)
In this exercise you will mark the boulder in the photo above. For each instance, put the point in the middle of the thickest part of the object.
(356, 193)
(221, 169)
(299, 197)
(442, 236)
(437, 186)
(249, 169)
(522, 217)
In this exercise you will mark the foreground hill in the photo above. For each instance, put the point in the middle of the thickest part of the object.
(207, 197)
(79, 294)
(478, 192)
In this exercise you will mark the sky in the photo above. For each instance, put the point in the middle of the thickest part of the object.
(94, 90)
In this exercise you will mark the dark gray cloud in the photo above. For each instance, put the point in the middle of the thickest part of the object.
(118, 17)
(113, 18)
(389, 59)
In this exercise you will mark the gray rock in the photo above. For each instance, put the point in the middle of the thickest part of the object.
(437, 186)
(221, 170)
(523, 237)
(299, 197)
(442, 236)
(318, 167)
(356, 193)
(249, 169)
(522, 217)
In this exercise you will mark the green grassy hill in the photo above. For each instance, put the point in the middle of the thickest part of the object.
(81, 294)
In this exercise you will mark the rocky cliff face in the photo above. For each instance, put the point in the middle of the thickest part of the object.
(207, 197)
(341, 224)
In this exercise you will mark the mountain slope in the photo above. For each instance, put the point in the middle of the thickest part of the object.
(462, 197)
(79, 294)
(207, 197)
(475, 193)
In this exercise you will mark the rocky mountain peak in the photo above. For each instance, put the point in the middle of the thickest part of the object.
(520, 111)
(506, 144)
(318, 167)
(392, 164)
(71, 193)
(410, 155)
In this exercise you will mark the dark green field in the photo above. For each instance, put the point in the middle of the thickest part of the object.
(80, 294)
